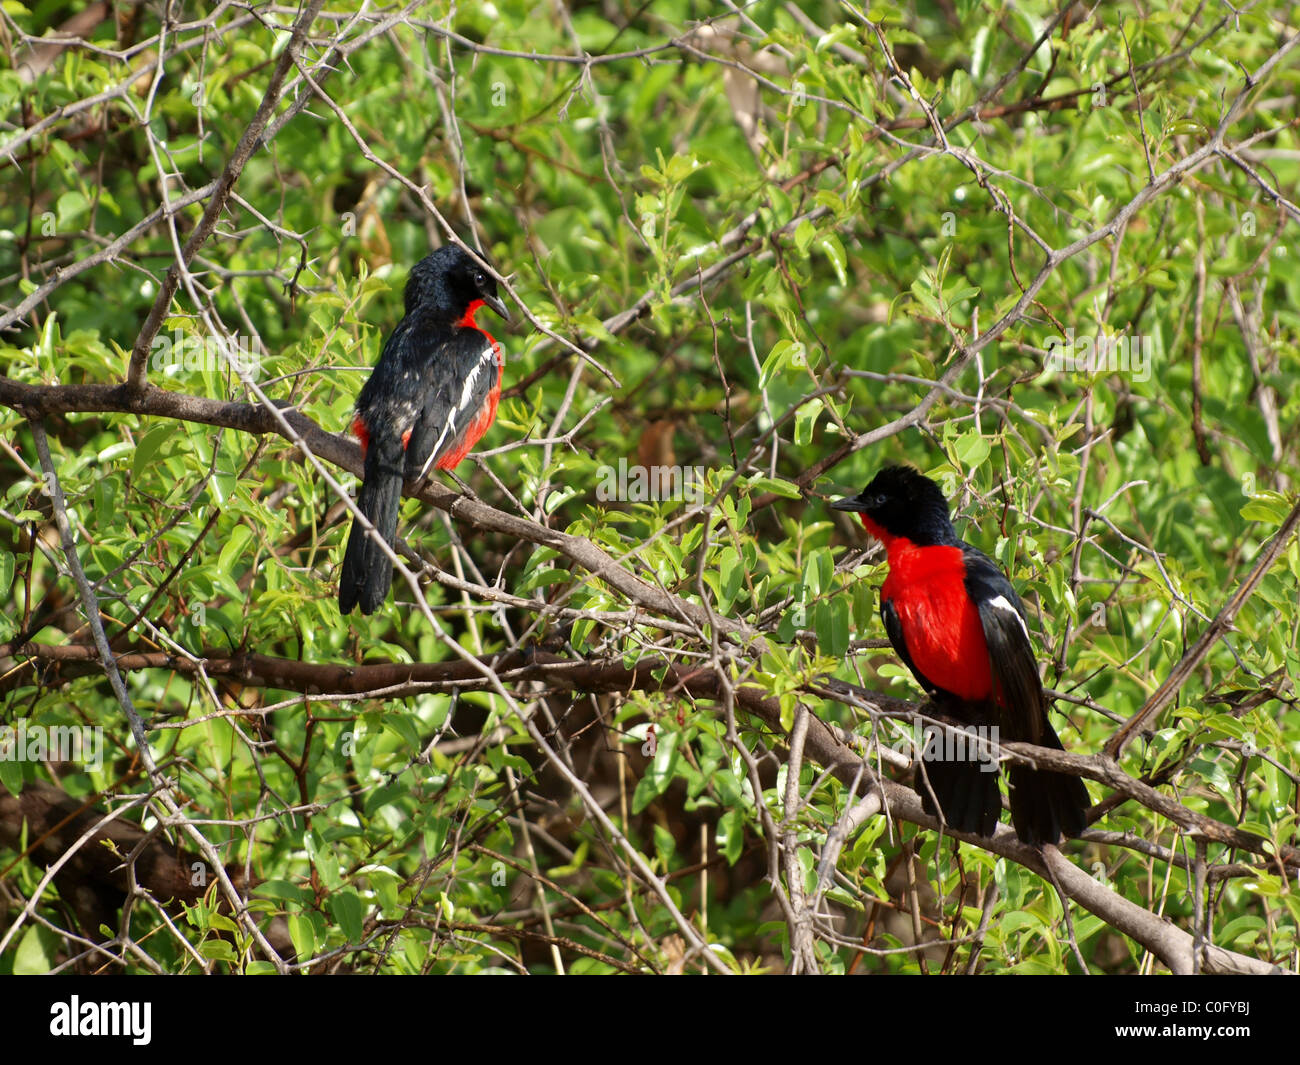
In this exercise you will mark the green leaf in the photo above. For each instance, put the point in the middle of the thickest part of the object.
(282, 889)
(972, 449)
(217, 950)
(35, 953)
(659, 774)
(785, 354)
(347, 909)
(11, 773)
(239, 537)
(805, 419)
(864, 607)
(731, 835)
(774, 485)
(303, 935)
(150, 448)
(732, 574)
(1268, 507)
(830, 244)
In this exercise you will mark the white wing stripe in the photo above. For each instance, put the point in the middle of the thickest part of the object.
(467, 393)
(1000, 603)
(466, 397)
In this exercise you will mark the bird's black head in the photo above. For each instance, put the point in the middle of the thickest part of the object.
(902, 503)
(450, 285)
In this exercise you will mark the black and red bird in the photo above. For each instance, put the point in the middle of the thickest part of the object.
(958, 625)
(429, 399)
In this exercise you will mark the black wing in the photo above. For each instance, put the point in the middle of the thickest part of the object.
(462, 375)
(1017, 689)
(1044, 805)
(392, 397)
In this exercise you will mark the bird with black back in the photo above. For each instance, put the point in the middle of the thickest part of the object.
(430, 398)
(958, 625)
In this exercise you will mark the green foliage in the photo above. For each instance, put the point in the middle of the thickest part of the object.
(806, 262)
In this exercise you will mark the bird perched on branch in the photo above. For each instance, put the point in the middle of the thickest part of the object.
(958, 625)
(429, 399)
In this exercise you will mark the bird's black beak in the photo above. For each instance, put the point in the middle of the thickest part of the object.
(499, 305)
(850, 503)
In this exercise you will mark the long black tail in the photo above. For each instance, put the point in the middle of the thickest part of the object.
(1044, 805)
(367, 571)
(1047, 805)
(967, 789)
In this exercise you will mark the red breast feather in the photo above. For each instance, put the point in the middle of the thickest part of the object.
(941, 626)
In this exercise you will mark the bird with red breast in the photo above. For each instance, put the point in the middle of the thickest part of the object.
(954, 619)
(429, 400)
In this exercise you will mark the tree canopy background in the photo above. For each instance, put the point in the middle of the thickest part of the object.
(774, 246)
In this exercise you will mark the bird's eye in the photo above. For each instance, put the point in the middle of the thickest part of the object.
(479, 279)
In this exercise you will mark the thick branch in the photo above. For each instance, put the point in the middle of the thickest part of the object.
(38, 400)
